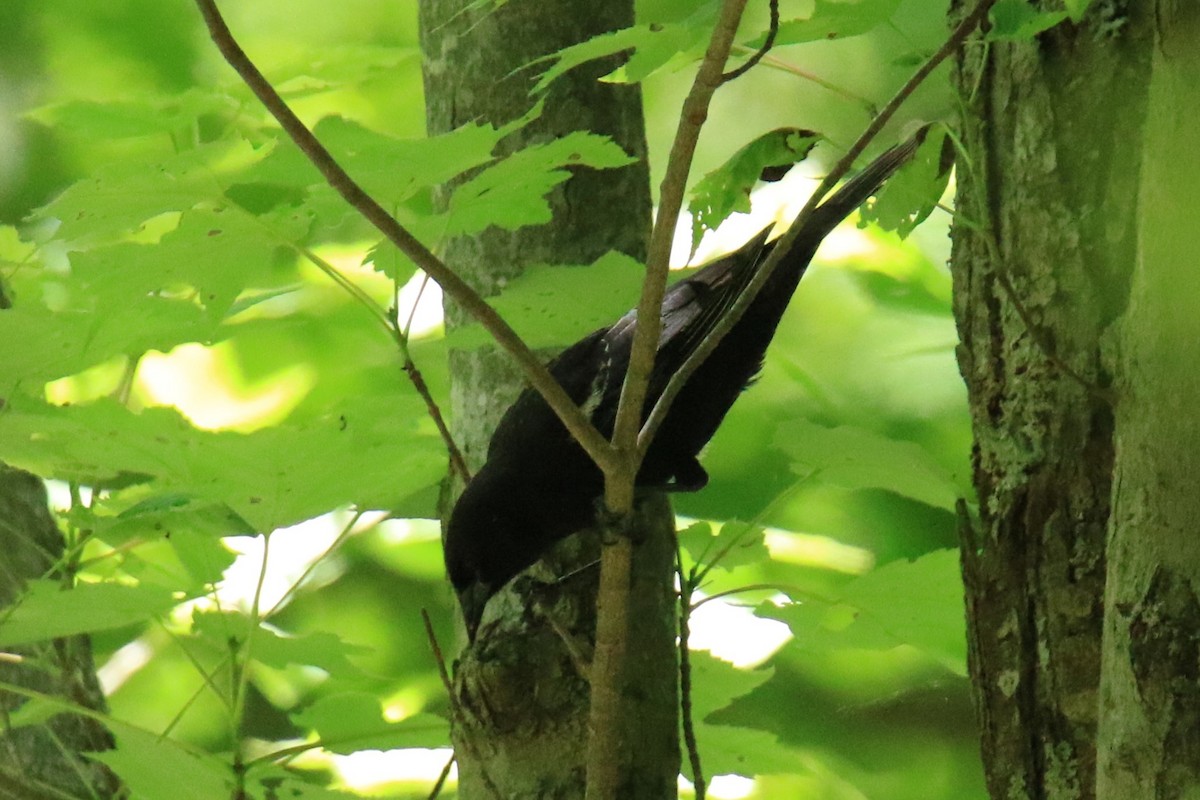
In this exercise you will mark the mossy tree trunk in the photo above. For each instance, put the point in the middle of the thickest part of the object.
(523, 690)
(1150, 686)
(45, 760)
(1076, 303)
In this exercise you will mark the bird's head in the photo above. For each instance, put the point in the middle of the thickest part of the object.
(488, 541)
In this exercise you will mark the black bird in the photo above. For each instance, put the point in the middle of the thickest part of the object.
(539, 486)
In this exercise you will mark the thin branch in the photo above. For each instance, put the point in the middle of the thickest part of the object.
(686, 587)
(812, 77)
(437, 654)
(671, 191)
(398, 334)
(535, 372)
(457, 463)
(604, 758)
(441, 779)
(350, 287)
(455, 710)
(241, 668)
(417, 379)
(345, 532)
(767, 44)
(788, 589)
(680, 378)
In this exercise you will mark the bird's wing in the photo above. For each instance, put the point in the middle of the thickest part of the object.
(694, 306)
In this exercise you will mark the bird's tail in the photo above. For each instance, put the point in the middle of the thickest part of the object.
(855, 191)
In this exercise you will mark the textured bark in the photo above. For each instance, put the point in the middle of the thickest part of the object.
(1051, 132)
(44, 760)
(1150, 703)
(522, 686)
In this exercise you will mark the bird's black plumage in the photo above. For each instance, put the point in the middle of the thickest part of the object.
(538, 485)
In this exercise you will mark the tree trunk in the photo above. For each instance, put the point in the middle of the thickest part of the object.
(522, 727)
(46, 759)
(1042, 259)
(1150, 686)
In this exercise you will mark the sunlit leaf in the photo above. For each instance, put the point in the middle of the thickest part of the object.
(831, 19)
(736, 544)
(512, 193)
(912, 194)
(47, 611)
(119, 197)
(154, 766)
(726, 749)
(858, 459)
(557, 305)
(354, 721)
(917, 603)
(650, 46)
(726, 190)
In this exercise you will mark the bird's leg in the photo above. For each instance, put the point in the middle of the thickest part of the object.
(690, 476)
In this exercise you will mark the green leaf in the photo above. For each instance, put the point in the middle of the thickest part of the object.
(57, 344)
(832, 19)
(212, 256)
(917, 603)
(512, 193)
(34, 711)
(726, 190)
(726, 749)
(859, 459)
(354, 721)
(153, 766)
(555, 305)
(341, 66)
(651, 46)
(122, 195)
(1017, 20)
(912, 194)
(369, 451)
(273, 782)
(47, 611)
(736, 544)
(389, 168)
(138, 116)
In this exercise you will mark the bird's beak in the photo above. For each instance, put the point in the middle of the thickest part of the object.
(473, 599)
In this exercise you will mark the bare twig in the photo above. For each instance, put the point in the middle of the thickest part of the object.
(457, 462)
(686, 587)
(841, 91)
(241, 666)
(441, 779)
(437, 655)
(343, 534)
(758, 55)
(671, 191)
(710, 342)
(391, 324)
(452, 698)
(535, 372)
(604, 756)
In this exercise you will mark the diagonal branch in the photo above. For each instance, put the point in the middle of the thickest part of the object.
(761, 52)
(604, 756)
(671, 191)
(337, 177)
(964, 29)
